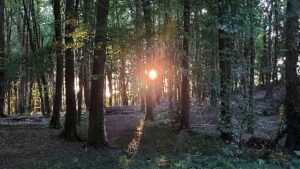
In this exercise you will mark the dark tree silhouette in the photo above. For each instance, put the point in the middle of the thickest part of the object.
(2, 55)
(225, 71)
(54, 123)
(148, 26)
(96, 134)
(292, 100)
(69, 132)
(184, 119)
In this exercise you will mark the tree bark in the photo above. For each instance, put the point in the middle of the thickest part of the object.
(148, 26)
(29, 106)
(185, 98)
(2, 56)
(88, 20)
(110, 86)
(79, 94)
(69, 132)
(54, 123)
(42, 105)
(276, 43)
(22, 32)
(123, 78)
(225, 72)
(46, 96)
(292, 99)
(96, 133)
(269, 55)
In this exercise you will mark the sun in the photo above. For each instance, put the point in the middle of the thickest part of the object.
(152, 74)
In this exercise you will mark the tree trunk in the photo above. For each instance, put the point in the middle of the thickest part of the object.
(276, 43)
(46, 96)
(79, 94)
(110, 86)
(269, 58)
(54, 123)
(141, 68)
(88, 20)
(185, 98)
(2, 56)
(123, 78)
(148, 26)
(9, 100)
(29, 106)
(251, 44)
(225, 73)
(96, 133)
(22, 32)
(292, 99)
(42, 105)
(69, 132)
(86, 86)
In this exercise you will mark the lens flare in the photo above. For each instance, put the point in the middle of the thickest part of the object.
(152, 74)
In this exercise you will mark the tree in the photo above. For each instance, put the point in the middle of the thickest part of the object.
(88, 21)
(225, 70)
(140, 68)
(292, 98)
(2, 56)
(96, 133)
(69, 132)
(148, 26)
(184, 118)
(54, 123)
(269, 52)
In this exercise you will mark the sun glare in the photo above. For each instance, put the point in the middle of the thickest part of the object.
(152, 74)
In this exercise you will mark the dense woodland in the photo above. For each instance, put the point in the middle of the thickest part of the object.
(149, 84)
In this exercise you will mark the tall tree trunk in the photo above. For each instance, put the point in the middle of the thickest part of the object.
(141, 69)
(225, 72)
(29, 106)
(8, 50)
(88, 20)
(22, 32)
(123, 78)
(185, 98)
(269, 58)
(69, 132)
(96, 133)
(79, 94)
(251, 45)
(276, 42)
(263, 66)
(148, 26)
(2, 56)
(110, 86)
(42, 105)
(15, 89)
(86, 86)
(9, 100)
(54, 123)
(46, 96)
(292, 99)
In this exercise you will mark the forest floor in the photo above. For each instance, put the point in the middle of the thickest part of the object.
(27, 142)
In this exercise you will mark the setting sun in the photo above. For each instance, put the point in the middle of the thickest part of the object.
(152, 74)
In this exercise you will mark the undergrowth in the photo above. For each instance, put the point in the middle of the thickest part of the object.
(161, 147)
